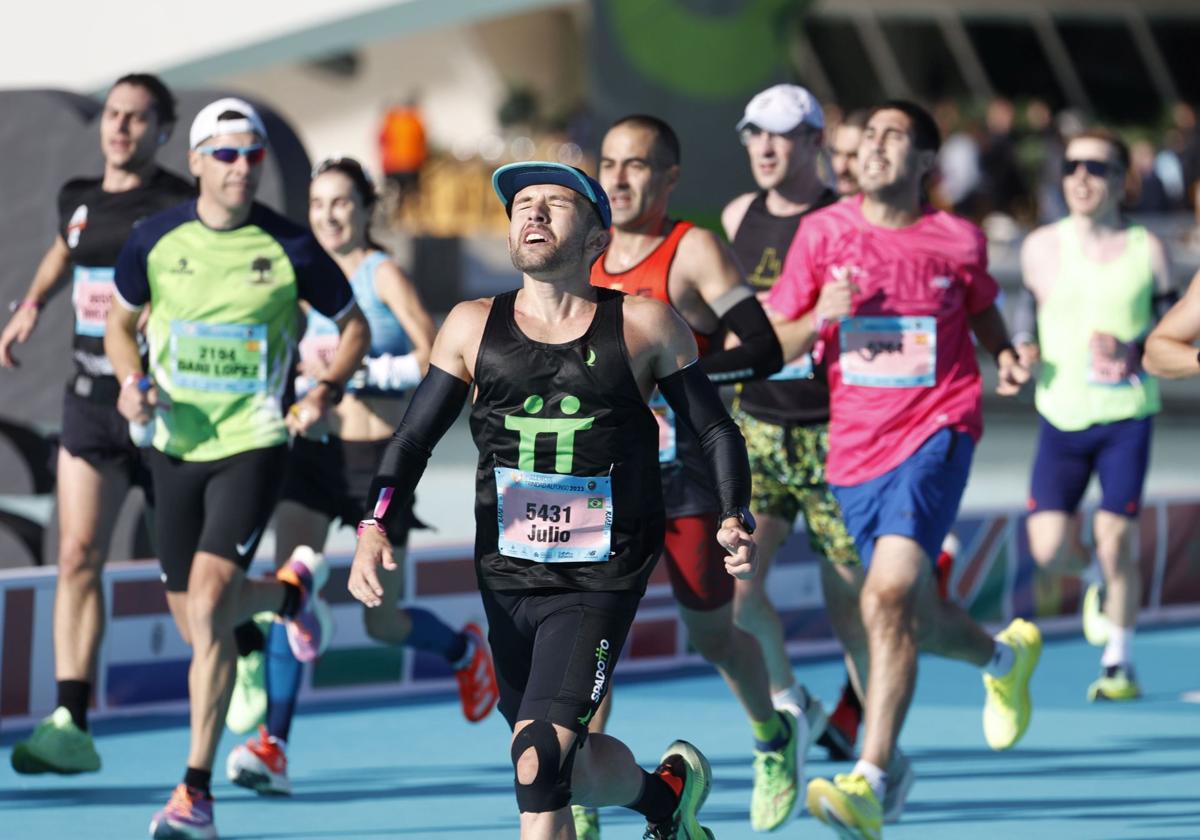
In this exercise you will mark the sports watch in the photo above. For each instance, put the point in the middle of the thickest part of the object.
(743, 515)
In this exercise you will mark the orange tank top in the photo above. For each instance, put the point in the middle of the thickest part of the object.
(649, 277)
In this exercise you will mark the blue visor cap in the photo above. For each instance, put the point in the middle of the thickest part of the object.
(510, 179)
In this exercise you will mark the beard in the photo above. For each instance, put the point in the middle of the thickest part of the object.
(565, 253)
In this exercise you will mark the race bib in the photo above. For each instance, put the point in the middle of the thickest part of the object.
(229, 358)
(889, 352)
(664, 416)
(552, 518)
(801, 368)
(1121, 370)
(92, 295)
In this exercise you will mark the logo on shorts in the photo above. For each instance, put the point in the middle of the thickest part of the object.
(603, 657)
(563, 429)
(261, 271)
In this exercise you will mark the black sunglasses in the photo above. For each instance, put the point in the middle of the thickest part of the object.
(228, 154)
(1098, 168)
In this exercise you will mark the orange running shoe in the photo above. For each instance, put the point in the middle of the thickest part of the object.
(188, 815)
(261, 765)
(477, 678)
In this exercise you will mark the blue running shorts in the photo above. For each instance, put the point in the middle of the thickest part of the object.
(1119, 454)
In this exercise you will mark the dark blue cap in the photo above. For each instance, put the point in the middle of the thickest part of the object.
(510, 179)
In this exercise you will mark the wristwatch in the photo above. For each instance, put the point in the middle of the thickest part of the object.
(743, 515)
(336, 391)
(370, 523)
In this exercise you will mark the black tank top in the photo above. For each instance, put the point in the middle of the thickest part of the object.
(761, 244)
(589, 378)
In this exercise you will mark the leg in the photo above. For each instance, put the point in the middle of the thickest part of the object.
(736, 656)
(753, 611)
(1116, 540)
(1062, 468)
(1055, 543)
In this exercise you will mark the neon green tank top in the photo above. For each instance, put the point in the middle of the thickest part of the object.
(1079, 387)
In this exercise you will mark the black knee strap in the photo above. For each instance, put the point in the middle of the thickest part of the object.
(550, 789)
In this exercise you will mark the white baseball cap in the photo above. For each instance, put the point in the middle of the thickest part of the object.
(208, 122)
(783, 108)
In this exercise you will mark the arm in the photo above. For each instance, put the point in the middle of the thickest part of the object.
(734, 212)
(1170, 349)
(354, 339)
(399, 373)
(120, 344)
(49, 271)
(989, 329)
(1165, 293)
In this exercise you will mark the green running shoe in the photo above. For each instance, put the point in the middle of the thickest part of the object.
(587, 822)
(776, 781)
(1116, 683)
(57, 745)
(248, 705)
(1095, 622)
(1008, 709)
(847, 805)
(685, 769)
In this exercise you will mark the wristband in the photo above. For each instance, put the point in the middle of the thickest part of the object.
(27, 303)
(336, 391)
(370, 523)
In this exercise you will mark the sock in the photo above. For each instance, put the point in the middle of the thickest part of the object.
(1119, 650)
(248, 638)
(283, 682)
(74, 696)
(291, 600)
(793, 695)
(1002, 659)
(429, 633)
(875, 777)
(770, 735)
(659, 797)
(200, 780)
(850, 697)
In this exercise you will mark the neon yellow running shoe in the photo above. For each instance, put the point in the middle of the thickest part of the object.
(587, 822)
(248, 704)
(848, 805)
(1116, 683)
(57, 745)
(1095, 622)
(1008, 708)
(776, 780)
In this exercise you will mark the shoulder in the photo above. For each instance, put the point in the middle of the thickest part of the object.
(469, 315)
(734, 212)
(965, 239)
(649, 316)
(701, 247)
(149, 231)
(296, 240)
(1040, 240)
(77, 190)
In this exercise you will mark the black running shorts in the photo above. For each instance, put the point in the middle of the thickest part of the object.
(97, 433)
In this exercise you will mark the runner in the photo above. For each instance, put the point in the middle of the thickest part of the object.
(222, 276)
(567, 533)
(1098, 281)
(785, 419)
(328, 479)
(689, 268)
(1171, 348)
(97, 461)
(843, 152)
(891, 288)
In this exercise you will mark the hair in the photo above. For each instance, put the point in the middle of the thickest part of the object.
(855, 119)
(666, 141)
(362, 184)
(164, 100)
(1119, 147)
(925, 133)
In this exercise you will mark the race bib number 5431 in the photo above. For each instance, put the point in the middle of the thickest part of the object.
(554, 518)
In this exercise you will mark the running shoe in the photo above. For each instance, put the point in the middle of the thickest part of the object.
(777, 777)
(685, 769)
(260, 764)
(848, 805)
(1008, 708)
(587, 822)
(801, 704)
(57, 745)
(900, 779)
(248, 704)
(1095, 622)
(841, 733)
(477, 678)
(311, 628)
(1117, 682)
(188, 815)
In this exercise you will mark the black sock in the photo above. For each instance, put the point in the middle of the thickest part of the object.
(248, 638)
(74, 695)
(657, 801)
(291, 600)
(850, 697)
(199, 780)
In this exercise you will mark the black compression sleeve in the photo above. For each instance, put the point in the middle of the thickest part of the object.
(699, 407)
(435, 406)
(757, 357)
(1162, 302)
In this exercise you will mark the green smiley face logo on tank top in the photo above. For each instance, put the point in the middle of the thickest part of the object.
(563, 429)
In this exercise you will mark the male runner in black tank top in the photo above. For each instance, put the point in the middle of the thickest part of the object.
(569, 517)
(97, 461)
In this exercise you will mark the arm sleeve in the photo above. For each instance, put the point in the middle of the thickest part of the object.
(699, 408)
(320, 281)
(981, 286)
(435, 406)
(130, 278)
(758, 356)
(1024, 322)
(796, 290)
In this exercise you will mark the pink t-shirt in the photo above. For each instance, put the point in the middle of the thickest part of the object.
(902, 366)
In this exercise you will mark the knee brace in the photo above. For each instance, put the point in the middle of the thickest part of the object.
(551, 787)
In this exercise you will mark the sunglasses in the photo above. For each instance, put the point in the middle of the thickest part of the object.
(1097, 168)
(228, 154)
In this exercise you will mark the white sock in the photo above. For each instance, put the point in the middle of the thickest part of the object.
(793, 695)
(875, 777)
(1002, 659)
(1119, 650)
(1092, 574)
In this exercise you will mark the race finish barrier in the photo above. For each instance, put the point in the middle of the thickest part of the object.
(143, 661)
